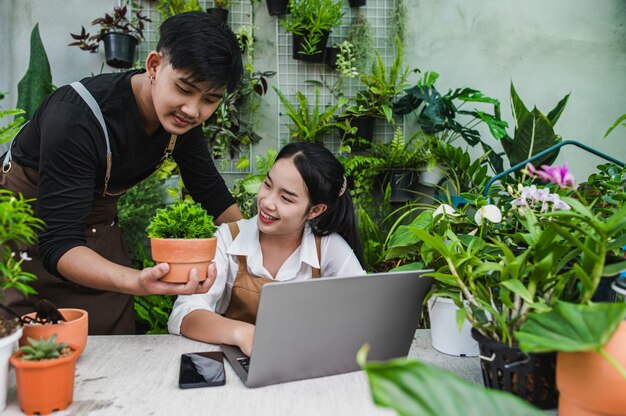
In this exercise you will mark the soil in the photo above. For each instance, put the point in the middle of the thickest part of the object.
(8, 326)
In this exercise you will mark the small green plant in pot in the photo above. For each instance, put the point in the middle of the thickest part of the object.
(182, 235)
(45, 363)
(310, 21)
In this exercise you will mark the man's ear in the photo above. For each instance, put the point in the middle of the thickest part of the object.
(153, 62)
(316, 211)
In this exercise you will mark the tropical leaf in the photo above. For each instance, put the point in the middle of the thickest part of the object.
(621, 119)
(37, 82)
(571, 327)
(411, 387)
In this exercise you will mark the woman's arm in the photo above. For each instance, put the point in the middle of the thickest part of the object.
(207, 326)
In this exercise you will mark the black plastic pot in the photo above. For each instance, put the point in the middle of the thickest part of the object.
(221, 14)
(357, 3)
(277, 7)
(531, 377)
(298, 48)
(119, 49)
(331, 56)
(403, 184)
(362, 139)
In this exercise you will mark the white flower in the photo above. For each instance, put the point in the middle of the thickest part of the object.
(559, 205)
(24, 256)
(445, 209)
(490, 212)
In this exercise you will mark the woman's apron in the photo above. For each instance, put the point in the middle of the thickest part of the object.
(246, 292)
(109, 312)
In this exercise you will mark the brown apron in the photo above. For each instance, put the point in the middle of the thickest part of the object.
(246, 293)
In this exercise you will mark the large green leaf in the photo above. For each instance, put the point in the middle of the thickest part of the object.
(37, 82)
(533, 135)
(411, 387)
(517, 105)
(556, 112)
(571, 327)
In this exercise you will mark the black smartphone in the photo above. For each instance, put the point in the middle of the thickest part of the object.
(201, 369)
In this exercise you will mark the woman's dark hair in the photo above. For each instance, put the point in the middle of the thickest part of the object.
(324, 178)
(204, 46)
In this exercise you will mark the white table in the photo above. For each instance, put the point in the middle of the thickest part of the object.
(138, 375)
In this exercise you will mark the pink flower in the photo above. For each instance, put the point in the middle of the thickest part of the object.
(558, 175)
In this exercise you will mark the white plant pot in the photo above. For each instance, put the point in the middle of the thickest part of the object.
(432, 177)
(8, 345)
(621, 293)
(444, 331)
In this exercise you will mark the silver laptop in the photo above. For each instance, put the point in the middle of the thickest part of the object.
(314, 328)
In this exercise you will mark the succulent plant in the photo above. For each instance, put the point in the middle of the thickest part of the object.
(44, 349)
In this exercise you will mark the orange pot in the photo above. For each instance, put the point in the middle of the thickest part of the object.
(182, 255)
(45, 386)
(588, 384)
(73, 331)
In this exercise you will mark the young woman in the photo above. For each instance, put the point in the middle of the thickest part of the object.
(305, 229)
(77, 163)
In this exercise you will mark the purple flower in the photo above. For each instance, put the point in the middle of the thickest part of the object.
(558, 175)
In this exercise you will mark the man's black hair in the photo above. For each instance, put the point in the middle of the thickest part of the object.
(203, 46)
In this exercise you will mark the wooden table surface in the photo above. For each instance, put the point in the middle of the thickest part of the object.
(138, 375)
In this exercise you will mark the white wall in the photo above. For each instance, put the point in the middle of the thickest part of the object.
(547, 48)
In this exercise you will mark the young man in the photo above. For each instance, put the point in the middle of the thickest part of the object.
(77, 167)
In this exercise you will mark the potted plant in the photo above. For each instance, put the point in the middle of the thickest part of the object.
(310, 123)
(277, 7)
(375, 99)
(18, 227)
(591, 363)
(310, 21)
(45, 371)
(181, 234)
(119, 33)
(536, 247)
(169, 8)
(356, 3)
(220, 10)
(360, 36)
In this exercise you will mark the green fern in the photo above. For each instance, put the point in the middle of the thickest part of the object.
(181, 220)
(154, 311)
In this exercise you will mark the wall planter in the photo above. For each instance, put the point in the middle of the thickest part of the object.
(277, 7)
(432, 177)
(73, 331)
(299, 48)
(119, 49)
(444, 331)
(404, 184)
(364, 130)
(220, 13)
(8, 345)
(588, 384)
(531, 377)
(331, 56)
(357, 3)
(45, 386)
(182, 255)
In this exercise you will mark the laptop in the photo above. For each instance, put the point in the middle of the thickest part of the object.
(314, 328)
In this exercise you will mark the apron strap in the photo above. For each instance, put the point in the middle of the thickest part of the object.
(316, 273)
(6, 163)
(234, 232)
(95, 108)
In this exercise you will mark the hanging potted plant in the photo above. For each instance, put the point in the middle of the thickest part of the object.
(220, 10)
(18, 227)
(119, 33)
(311, 21)
(181, 235)
(45, 372)
(277, 7)
(357, 3)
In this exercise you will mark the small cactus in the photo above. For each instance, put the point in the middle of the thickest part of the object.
(44, 349)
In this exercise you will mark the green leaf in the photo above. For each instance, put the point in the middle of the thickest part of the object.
(571, 327)
(621, 118)
(556, 112)
(533, 135)
(418, 265)
(613, 269)
(411, 387)
(519, 109)
(517, 287)
(36, 83)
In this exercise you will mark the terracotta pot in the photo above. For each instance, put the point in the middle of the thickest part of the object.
(73, 331)
(8, 345)
(45, 386)
(588, 384)
(182, 255)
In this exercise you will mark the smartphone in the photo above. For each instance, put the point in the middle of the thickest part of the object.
(201, 369)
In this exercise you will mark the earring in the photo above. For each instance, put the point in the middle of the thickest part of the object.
(152, 80)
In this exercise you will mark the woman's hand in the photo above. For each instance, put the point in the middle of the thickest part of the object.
(244, 334)
(149, 284)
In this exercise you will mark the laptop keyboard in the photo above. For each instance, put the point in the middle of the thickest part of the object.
(245, 363)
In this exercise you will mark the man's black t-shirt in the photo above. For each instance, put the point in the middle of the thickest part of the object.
(65, 144)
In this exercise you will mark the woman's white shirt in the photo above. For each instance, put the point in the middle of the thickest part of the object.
(338, 259)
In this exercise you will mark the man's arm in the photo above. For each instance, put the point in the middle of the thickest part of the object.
(86, 267)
